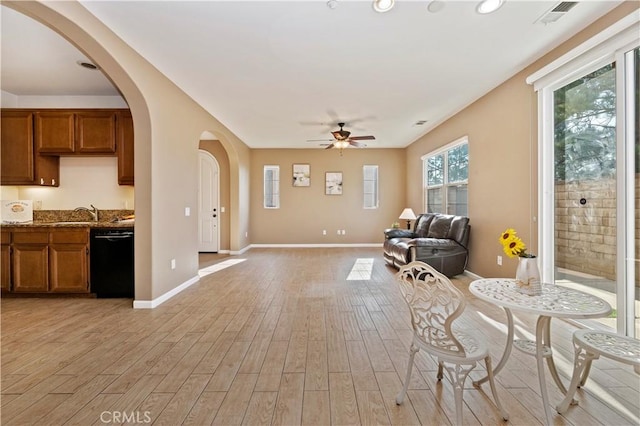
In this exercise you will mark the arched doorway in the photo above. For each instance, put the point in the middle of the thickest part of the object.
(208, 202)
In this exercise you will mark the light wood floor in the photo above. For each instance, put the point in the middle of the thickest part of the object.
(281, 338)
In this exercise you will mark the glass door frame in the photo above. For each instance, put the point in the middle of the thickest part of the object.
(613, 51)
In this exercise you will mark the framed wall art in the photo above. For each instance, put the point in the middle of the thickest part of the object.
(301, 175)
(333, 183)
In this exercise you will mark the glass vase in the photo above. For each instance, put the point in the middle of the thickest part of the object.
(528, 276)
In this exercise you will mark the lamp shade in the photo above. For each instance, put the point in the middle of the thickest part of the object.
(407, 214)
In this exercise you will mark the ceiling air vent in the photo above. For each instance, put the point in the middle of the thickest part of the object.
(557, 12)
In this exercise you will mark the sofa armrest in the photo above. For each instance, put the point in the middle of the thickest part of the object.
(398, 233)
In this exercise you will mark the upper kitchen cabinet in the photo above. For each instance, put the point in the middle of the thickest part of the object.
(20, 164)
(124, 147)
(17, 147)
(61, 132)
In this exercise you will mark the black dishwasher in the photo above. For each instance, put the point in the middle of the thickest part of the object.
(112, 266)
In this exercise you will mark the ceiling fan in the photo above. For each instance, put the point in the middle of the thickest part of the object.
(342, 139)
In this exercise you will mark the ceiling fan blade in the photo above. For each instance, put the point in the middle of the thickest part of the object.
(320, 140)
(330, 146)
(357, 144)
(362, 138)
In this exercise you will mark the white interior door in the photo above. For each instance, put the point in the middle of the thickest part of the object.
(208, 203)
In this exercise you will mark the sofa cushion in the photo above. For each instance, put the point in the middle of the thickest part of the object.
(421, 228)
(398, 249)
(440, 226)
(435, 245)
(458, 230)
(398, 233)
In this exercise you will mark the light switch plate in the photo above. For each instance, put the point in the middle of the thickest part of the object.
(187, 211)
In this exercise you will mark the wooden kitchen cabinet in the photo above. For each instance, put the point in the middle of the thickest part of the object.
(30, 262)
(20, 163)
(32, 142)
(88, 132)
(17, 151)
(55, 132)
(95, 132)
(5, 260)
(124, 147)
(69, 261)
(46, 260)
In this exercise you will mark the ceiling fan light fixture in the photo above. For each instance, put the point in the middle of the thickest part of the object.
(341, 144)
(489, 6)
(382, 6)
(341, 134)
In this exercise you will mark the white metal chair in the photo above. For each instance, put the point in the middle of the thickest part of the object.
(590, 345)
(435, 303)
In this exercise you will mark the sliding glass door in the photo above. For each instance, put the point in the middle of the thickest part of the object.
(585, 183)
(595, 166)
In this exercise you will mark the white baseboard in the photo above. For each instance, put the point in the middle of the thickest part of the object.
(150, 304)
(241, 251)
(472, 275)
(315, 245)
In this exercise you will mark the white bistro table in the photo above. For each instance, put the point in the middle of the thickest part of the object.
(555, 301)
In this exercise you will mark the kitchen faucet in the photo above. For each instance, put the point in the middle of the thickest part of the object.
(93, 211)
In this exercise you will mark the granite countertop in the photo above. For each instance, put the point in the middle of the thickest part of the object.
(99, 224)
(77, 219)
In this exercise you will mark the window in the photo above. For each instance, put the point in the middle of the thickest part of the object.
(446, 174)
(271, 187)
(370, 180)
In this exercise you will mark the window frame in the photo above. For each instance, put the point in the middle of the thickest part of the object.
(444, 150)
(376, 184)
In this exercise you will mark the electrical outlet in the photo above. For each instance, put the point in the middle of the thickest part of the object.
(173, 264)
(499, 260)
(187, 211)
(324, 232)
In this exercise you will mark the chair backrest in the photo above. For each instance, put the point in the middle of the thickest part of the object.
(434, 303)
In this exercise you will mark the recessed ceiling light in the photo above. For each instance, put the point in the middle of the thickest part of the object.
(435, 6)
(332, 4)
(488, 6)
(88, 65)
(383, 5)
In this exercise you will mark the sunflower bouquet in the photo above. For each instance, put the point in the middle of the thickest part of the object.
(513, 245)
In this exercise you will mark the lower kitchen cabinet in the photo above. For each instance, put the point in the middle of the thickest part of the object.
(47, 261)
(5, 260)
(30, 269)
(69, 262)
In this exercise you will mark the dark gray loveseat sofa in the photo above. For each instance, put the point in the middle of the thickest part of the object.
(437, 239)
